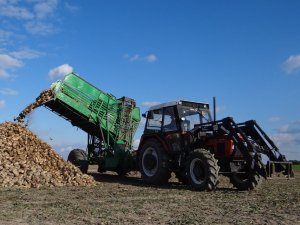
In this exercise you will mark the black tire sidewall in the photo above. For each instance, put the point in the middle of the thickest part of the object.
(204, 165)
(210, 167)
(251, 182)
(78, 158)
(161, 176)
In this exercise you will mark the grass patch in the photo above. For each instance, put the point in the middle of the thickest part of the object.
(296, 167)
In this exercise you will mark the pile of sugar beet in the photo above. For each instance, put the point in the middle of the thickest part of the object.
(28, 162)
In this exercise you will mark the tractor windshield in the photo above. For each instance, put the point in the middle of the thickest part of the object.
(192, 116)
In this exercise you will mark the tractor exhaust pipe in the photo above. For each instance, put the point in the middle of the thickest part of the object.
(215, 108)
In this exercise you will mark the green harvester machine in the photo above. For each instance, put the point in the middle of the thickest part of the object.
(110, 123)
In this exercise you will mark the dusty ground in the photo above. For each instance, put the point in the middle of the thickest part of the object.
(128, 201)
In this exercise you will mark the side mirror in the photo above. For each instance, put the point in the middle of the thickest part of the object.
(144, 115)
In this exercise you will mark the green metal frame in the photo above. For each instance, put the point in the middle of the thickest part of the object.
(118, 119)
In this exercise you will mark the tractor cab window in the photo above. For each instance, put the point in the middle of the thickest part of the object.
(191, 117)
(170, 122)
(205, 116)
(154, 120)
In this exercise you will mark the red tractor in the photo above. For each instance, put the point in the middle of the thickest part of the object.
(182, 137)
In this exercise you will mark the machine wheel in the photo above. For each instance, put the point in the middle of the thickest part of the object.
(78, 158)
(122, 172)
(246, 181)
(182, 177)
(202, 170)
(153, 163)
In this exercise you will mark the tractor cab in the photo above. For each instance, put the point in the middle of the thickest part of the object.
(177, 116)
(171, 121)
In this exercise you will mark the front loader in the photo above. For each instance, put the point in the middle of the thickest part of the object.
(181, 137)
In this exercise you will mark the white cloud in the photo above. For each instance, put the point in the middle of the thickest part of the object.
(292, 64)
(284, 128)
(287, 138)
(3, 74)
(149, 104)
(8, 91)
(38, 27)
(135, 58)
(36, 16)
(2, 104)
(26, 54)
(132, 58)
(28, 10)
(220, 109)
(283, 138)
(151, 58)
(11, 60)
(5, 36)
(274, 119)
(45, 8)
(7, 61)
(11, 9)
(60, 71)
(18, 19)
(71, 8)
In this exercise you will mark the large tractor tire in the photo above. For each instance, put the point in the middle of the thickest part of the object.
(246, 181)
(78, 158)
(153, 162)
(202, 170)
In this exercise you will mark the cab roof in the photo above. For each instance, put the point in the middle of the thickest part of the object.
(192, 104)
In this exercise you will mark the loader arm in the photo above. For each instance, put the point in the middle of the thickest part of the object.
(268, 147)
(251, 128)
(252, 141)
(227, 126)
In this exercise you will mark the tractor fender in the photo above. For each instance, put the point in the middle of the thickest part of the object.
(156, 137)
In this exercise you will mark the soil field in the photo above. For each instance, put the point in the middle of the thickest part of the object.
(128, 200)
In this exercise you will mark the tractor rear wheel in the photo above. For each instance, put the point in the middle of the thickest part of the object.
(78, 158)
(202, 170)
(153, 162)
(246, 181)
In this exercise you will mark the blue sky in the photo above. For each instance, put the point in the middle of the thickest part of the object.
(246, 53)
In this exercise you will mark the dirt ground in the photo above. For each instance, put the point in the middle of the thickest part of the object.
(128, 200)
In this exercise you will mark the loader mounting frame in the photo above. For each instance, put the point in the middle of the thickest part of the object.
(251, 141)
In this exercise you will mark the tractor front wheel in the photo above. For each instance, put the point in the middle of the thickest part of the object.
(78, 158)
(153, 162)
(202, 170)
(246, 181)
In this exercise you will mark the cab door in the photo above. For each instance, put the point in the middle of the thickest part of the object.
(171, 129)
